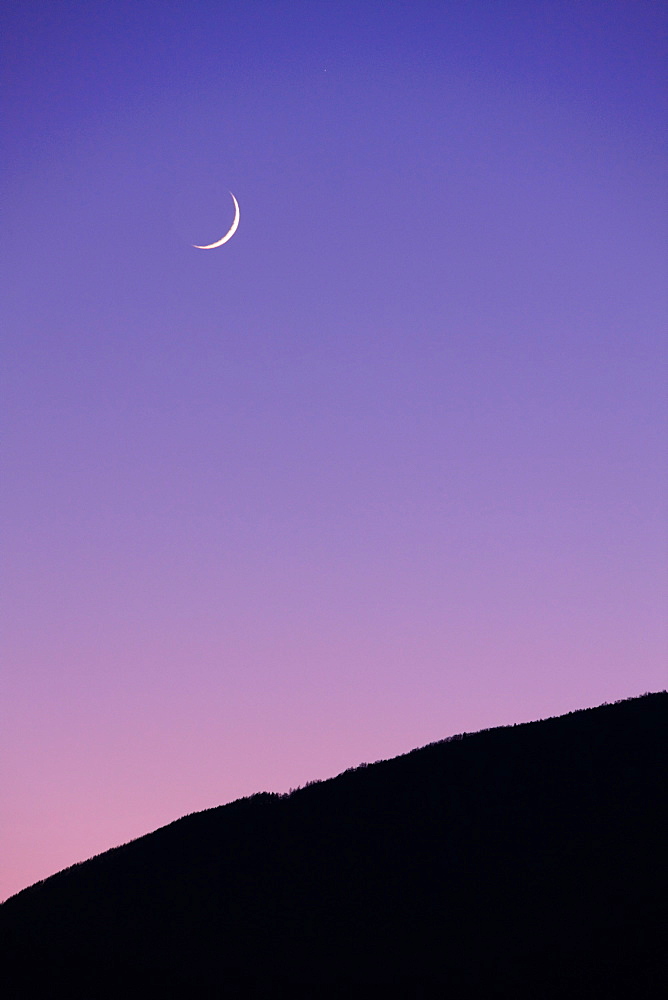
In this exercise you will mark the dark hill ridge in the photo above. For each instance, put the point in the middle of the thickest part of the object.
(524, 861)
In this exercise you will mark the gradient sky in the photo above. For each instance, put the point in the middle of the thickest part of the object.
(388, 465)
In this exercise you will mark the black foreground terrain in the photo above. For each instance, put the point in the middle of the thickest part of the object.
(525, 861)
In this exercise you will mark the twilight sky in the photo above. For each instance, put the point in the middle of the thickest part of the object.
(385, 467)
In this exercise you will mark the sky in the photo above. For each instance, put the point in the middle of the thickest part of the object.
(387, 466)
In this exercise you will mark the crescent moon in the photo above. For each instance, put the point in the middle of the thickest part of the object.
(229, 234)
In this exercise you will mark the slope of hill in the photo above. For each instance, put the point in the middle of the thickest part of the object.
(525, 861)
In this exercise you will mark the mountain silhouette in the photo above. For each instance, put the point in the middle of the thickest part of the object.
(522, 861)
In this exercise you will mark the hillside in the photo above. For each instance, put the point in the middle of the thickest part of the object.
(522, 861)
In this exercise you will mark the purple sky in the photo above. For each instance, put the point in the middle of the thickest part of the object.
(385, 467)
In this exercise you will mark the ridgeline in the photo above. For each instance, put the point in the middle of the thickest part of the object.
(524, 861)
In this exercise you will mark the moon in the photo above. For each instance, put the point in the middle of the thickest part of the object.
(230, 232)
